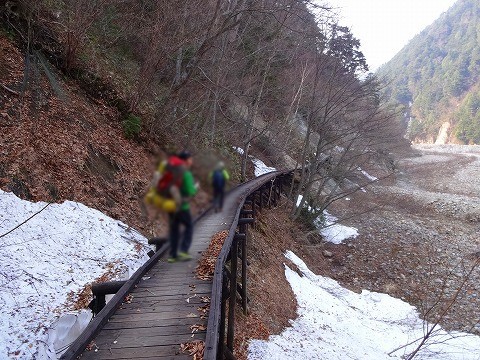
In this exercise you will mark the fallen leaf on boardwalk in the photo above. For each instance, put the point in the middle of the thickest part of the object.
(198, 327)
(203, 310)
(128, 299)
(91, 346)
(194, 348)
(206, 265)
(192, 315)
(205, 299)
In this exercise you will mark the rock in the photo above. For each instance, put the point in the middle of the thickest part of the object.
(327, 254)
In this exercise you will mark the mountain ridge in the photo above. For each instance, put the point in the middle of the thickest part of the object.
(435, 78)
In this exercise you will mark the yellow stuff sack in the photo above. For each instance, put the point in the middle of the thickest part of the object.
(153, 198)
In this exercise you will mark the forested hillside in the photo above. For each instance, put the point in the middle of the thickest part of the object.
(436, 78)
(269, 77)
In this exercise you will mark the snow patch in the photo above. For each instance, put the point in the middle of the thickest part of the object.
(334, 232)
(49, 259)
(335, 323)
(260, 167)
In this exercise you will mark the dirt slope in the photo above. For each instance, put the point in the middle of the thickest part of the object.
(57, 144)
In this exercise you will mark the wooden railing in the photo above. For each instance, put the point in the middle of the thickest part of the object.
(263, 191)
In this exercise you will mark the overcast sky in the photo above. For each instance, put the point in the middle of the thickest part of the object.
(384, 27)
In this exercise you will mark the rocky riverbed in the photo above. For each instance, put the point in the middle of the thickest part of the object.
(419, 236)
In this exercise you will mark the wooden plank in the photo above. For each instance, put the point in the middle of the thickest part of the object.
(150, 302)
(155, 352)
(180, 294)
(188, 286)
(146, 331)
(161, 308)
(169, 281)
(120, 340)
(140, 324)
(156, 316)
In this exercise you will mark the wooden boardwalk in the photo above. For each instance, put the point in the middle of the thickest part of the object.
(162, 311)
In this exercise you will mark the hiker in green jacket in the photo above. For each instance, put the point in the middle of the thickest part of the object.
(183, 216)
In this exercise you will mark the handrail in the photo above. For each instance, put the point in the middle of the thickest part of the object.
(214, 343)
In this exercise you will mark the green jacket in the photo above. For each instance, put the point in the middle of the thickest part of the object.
(187, 190)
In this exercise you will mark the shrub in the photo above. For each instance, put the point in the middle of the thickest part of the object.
(132, 125)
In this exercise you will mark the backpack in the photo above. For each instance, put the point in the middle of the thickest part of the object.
(218, 180)
(164, 192)
(171, 179)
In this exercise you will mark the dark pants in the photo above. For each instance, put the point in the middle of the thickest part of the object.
(185, 218)
(218, 195)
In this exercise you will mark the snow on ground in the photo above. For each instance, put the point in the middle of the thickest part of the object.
(335, 323)
(48, 259)
(260, 167)
(334, 232)
(330, 229)
(367, 175)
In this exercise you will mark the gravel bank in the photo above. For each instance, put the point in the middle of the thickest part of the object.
(420, 236)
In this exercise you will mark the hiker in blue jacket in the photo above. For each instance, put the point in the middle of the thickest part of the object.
(218, 178)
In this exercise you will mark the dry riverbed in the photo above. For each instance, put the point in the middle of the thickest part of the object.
(419, 236)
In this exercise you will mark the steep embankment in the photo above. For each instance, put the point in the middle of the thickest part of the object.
(58, 144)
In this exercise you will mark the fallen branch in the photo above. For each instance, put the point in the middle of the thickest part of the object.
(10, 90)
(16, 227)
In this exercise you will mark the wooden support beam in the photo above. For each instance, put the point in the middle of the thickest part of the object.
(99, 290)
(240, 291)
(245, 221)
(109, 287)
(261, 199)
(228, 354)
(240, 236)
(158, 242)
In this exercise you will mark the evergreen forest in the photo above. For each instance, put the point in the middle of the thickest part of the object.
(434, 80)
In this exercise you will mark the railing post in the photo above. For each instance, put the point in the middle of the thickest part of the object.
(261, 199)
(233, 293)
(99, 292)
(278, 182)
(242, 238)
(244, 274)
(253, 205)
(221, 337)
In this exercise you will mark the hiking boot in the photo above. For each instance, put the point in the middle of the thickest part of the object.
(183, 256)
(172, 260)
